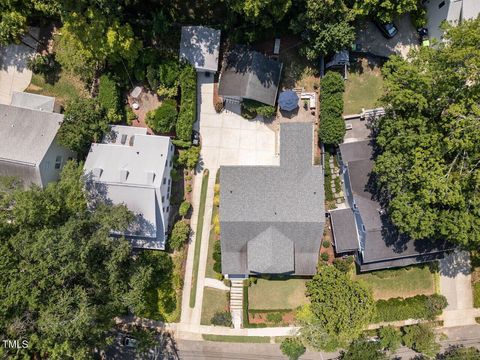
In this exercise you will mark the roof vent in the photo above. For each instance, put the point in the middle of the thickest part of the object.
(123, 175)
(124, 139)
(381, 211)
(150, 177)
(132, 140)
(97, 172)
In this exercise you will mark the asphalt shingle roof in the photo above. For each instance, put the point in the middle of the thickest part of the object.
(344, 229)
(199, 45)
(260, 201)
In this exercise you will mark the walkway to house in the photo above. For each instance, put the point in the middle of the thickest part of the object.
(236, 302)
(14, 74)
(456, 286)
(216, 284)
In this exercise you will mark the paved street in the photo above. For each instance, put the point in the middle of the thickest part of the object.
(14, 75)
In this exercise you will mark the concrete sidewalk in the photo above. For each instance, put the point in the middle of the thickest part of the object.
(216, 284)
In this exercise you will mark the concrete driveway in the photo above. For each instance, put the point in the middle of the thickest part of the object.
(14, 74)
(229, 139)
(371, 39)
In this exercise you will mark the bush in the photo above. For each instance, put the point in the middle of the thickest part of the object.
(344, 265)
(252, 108)
(189, 157)
(188, 188)
(419, 17)
(109, 98)
(416, 307)
(421, 338)
(326, 244)
(217, 257)
(476, 295)
(218, 106)
(188, 103)
(275, 317)
(293, 348)
(390, 338)
(222, 319)
(45, 65)
(131, 116)
(332, 83)
(179, 235)
(324, 256)
(184, 208)
(216, 200)
(162, 119)
(164, 78)
(332, 126)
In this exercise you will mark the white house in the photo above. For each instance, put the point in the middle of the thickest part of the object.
(453, 11)
(29, 149)
(200, 45)
(132, 168)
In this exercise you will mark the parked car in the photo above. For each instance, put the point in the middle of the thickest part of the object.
(389, 30)
(195, 138)
(129, 342)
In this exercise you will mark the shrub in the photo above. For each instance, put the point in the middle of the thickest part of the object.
(189, 157)
(390, 338)
(332, 126)
(293, 348)
(344, 265)
(130, 115)
(45, 65)
(476, 295)
(326, 244)
(324, 256)
(416, 307)
(222, 319)
(188, 103)
(184, 208)
(188, 188)
(218, 105)
(252, 108)
(109, 98)
(162, 119)
(216, 200)
(179, 235)
(216, 189)
(217, 257)
(275, 317)
(421, 338)
(332, 83)
(419, 17)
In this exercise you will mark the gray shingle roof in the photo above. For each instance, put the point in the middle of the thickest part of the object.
(267, 200)
(251, 75)
(344, 230)
(28, 132)
(199, 45)
(33, 101)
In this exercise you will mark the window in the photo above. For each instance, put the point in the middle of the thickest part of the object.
(163, 199)
(442, 4)
(164, 181)
(58, 162)
(163, 209)
(169, 182)
(363, 228)
(168, 195)
(170, 163)
(168, 209)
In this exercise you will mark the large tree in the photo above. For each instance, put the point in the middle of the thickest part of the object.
(64, 278)
(385, 10)
(429, 166)
(339, 309)
(326, 26)
(362, 349)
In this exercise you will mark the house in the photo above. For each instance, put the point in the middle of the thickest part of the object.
(452, 11)
(272, 217)
(363, 227)
(200, 45)
(247, 74)
(33, 101)
(132, 168)
(29, 149)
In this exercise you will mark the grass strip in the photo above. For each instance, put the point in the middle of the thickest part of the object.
(198, 238)
(237, 339)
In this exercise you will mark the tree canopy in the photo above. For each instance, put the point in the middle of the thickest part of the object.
(429, 166)
(64, 277)
(363, 349)
(339, 309)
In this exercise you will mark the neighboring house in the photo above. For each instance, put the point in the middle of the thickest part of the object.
(33, 101)
(453, 11)
(29, 149)
(132, 168)
(199, 45)
(272, 217)
(364, 228)
(247, 74)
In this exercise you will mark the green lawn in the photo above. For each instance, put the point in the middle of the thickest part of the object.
(277, 294)
(214, 301)
(238, 339)
(403, 282)
(66, 88)
(363, 88)
(198, 238)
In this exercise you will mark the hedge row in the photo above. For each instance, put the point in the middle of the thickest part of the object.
(327, 182)
(109, 98)
(417, 307)
(188, 104)
(332, 125)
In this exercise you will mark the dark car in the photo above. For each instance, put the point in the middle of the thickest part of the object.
(389, 30)
(195, 138)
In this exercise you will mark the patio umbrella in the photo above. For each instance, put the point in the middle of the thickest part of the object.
(288, 100)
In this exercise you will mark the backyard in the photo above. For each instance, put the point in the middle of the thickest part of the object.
(363, 87)
(214, 301)
(404, 282)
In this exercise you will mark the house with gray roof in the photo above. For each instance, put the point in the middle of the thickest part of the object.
(272, 217)
(200, 46)
(247, 74)
(364, 227)
(33, 101)
(29, 149)
(132, 168)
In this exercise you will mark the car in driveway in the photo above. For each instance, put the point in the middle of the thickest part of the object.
(389, 30)
(129, 342)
